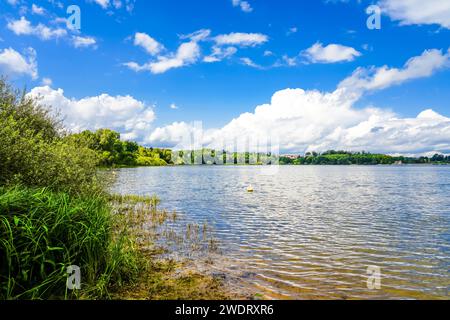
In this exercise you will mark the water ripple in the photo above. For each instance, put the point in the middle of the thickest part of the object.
(312, 232)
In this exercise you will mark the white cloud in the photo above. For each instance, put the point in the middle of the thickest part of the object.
(292, 31)
(150, 45)
(187, 53)
(47, 82)
(290, 62)
(125, 114)
(102, 3)
(173, 106)
(115, 4)
(176, 134)
(83, 42)
(309, 120)
(219, 53)
(37, 10)
(197, 36)
(13, 64)
(24, 27)
(241, 39)
(330, 54)
(243, 5)
(249, 62)
(421, 66)
(410, 12)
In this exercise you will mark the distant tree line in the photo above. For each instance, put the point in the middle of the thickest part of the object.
(112, 151)
(333, 157)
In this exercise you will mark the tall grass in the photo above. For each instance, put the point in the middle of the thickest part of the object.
(44, 232)
(54, 211)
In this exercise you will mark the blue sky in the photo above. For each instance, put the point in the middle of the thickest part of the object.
(273, 45)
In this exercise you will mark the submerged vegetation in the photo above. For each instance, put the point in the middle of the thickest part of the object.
(55, 213)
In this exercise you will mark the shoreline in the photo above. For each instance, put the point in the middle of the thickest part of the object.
(281, 165)
(164, 276)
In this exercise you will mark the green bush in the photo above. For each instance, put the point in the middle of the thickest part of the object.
(54, 212)
(34, 152)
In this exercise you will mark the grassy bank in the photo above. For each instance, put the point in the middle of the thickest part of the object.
(44, 232)
(55, 213)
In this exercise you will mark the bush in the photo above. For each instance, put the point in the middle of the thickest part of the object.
(53, 211)
(33, 151)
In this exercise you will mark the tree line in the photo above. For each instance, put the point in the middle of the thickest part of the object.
(112, 151)
(333, 157)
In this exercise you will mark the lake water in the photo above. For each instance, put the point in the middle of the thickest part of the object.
(318, 232)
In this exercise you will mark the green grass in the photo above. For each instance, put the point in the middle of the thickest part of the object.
(43, 232)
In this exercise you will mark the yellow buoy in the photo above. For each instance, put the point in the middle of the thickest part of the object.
(250, 189)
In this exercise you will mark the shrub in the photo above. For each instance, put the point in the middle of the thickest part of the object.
(33, 151)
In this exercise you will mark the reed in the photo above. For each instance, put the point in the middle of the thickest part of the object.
(43, 232)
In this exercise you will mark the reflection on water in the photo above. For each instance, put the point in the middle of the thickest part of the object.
(313, 231)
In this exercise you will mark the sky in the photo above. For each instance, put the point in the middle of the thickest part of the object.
(306, 75)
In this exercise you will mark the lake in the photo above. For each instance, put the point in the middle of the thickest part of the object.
(317, 232)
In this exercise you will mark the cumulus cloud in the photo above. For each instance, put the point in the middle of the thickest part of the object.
(13, 64)
(364, 79)
(24, 27)
(84, 42)
(309, 120)
(115, 4)
(125, 114)
(150, 45)
(35, 9)
(330, 54)
(187, 53)
(410, 12)
(241, 39)
(243, 5)
(175, 133)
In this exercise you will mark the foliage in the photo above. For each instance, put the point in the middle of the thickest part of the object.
(114, 152)
(33, 152)
(53, 211)
(43, 232)
(357, 158)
